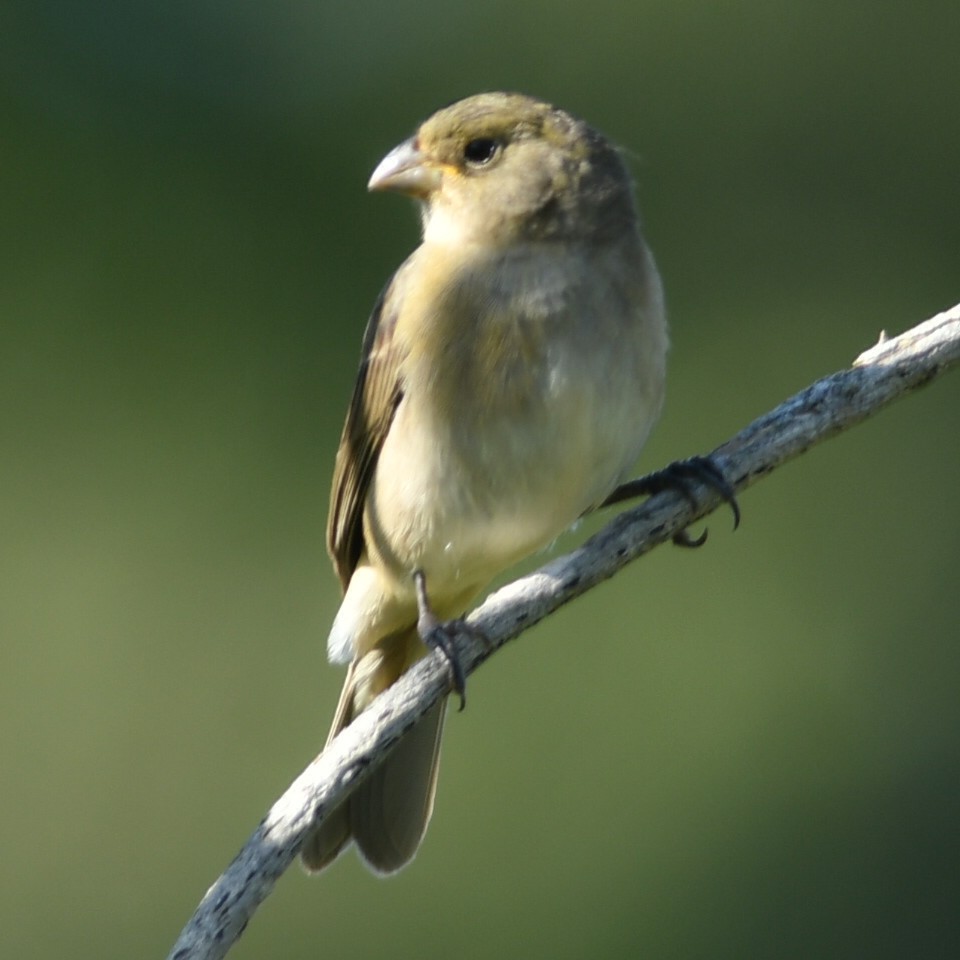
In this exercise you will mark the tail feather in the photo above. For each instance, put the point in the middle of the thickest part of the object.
(388, 814)
(390, 811)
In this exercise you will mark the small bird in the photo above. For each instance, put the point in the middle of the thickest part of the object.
(510, 373)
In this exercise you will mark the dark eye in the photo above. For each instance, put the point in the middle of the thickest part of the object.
(480, 151)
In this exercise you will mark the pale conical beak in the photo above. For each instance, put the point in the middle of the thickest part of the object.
(406, 170)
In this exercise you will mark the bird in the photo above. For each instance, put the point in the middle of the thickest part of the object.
(511, 370)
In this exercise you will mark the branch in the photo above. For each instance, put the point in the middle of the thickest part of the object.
(891, 369)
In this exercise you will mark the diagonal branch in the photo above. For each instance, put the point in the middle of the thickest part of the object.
(891, 369)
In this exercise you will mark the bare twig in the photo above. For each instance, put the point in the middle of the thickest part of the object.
(891, 369)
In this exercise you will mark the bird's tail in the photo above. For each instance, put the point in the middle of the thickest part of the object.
(387, 815)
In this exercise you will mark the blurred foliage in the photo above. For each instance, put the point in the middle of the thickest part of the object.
(747, 751)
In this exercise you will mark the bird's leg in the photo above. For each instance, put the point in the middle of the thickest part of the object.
(681, 475)
(441, 635)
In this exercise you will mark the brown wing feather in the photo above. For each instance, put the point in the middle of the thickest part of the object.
(376, 394)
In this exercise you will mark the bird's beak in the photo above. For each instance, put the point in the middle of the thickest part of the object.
(406, 170)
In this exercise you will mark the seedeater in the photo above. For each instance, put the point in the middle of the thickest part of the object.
(511, 371)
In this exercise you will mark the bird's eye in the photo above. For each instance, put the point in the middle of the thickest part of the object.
(480, 151)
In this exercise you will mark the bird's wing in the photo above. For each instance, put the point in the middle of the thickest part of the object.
(376, 395)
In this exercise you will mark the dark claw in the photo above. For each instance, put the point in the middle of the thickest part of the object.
(681, 476)
(443, 637)
(683, 539)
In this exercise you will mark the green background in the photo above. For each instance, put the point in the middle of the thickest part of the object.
(752, 750)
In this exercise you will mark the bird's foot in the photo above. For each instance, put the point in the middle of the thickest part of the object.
(442, 635)
(681, 476)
